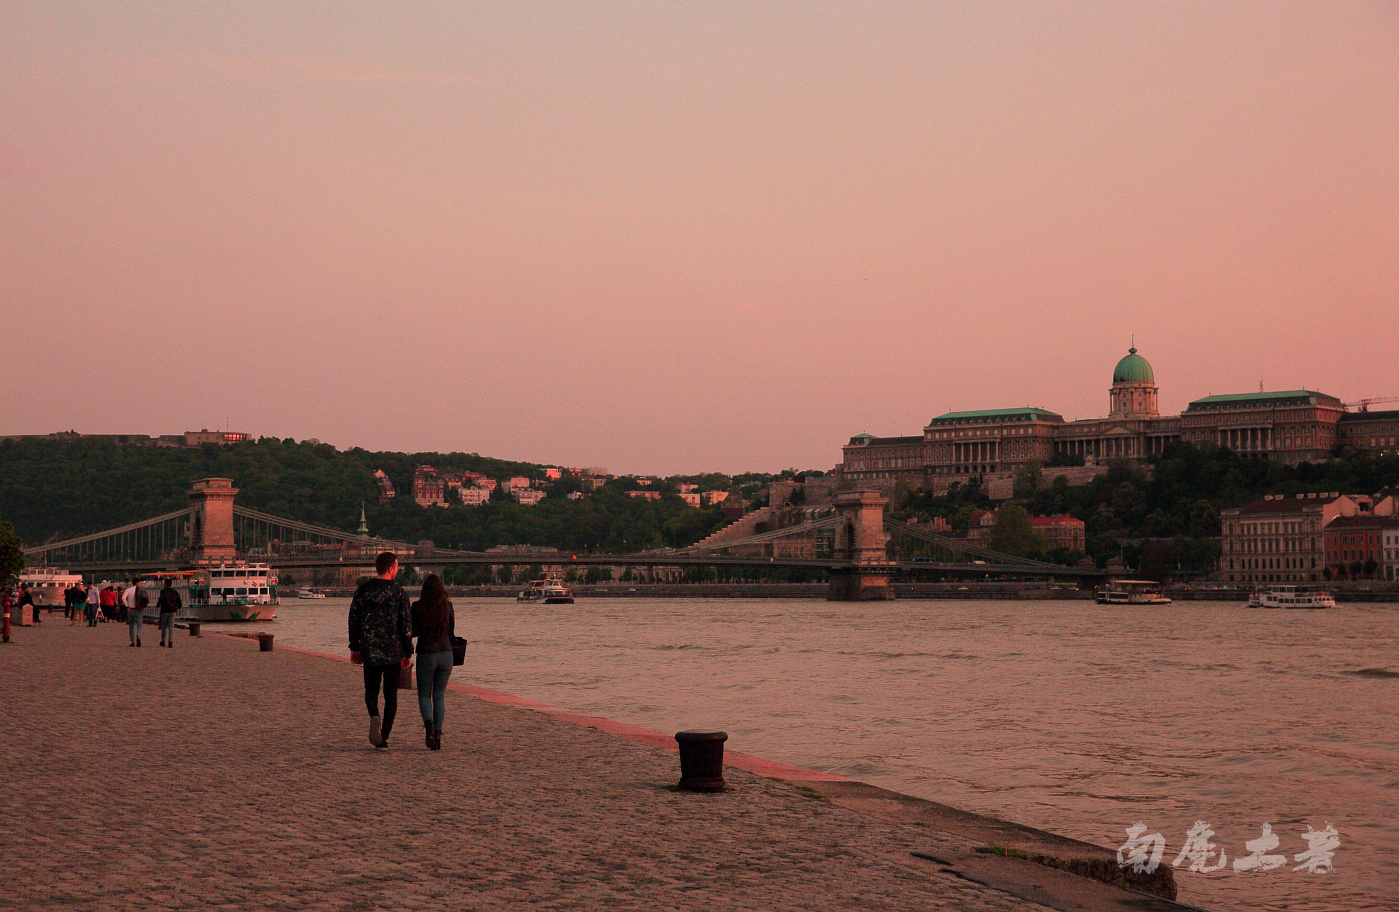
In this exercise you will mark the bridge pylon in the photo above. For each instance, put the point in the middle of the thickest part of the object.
(861, 539)
(211, 520)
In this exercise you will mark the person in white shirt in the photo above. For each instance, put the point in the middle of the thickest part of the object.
(135, 600)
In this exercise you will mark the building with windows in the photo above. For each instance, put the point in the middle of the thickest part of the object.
(1291, 425)
(1355, 546)
(1389, 543)
(428, 487)
(1280, 538)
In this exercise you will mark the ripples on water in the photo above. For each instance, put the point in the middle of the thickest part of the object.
(1070, 716)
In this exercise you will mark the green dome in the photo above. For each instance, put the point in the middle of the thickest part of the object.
(1133, 369)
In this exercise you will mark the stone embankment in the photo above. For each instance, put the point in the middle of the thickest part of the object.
(215, 776)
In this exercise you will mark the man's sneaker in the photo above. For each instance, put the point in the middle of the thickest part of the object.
(382, 745)
(374, 738)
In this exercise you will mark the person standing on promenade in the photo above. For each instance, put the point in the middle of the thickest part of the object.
(27, 598)
(109, 603)
(434, 624)
(381, 639)
(67, 602)
(168, 603)
(79, 597)
(94, 602)
(135, 600)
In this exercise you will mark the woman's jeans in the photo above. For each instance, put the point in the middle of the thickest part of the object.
(434, 668)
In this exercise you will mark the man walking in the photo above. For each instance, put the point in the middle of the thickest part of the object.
(135, 600)
(381, 639)
(168, 603)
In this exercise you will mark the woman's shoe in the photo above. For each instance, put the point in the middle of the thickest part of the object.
(374, 738)
(428, 740)
(436, 741)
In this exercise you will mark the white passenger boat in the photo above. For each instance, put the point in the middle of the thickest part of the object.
(310, 594)
(1130, 592)
(1303, 597)
(228, 592)
(548, 591)
(47, 585)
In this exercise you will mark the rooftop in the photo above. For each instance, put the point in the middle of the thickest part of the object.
(988, 415)
(1282, 503)
(1278, 397)
(871, 440)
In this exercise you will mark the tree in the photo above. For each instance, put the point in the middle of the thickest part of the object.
(1012, 532)
(11, 556)
(1027, 478)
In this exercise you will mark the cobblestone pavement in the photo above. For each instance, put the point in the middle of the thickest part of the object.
(213, 776)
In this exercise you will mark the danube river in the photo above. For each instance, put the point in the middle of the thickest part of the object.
(1078, 718)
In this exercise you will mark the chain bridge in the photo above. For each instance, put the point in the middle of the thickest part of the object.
(853, 540)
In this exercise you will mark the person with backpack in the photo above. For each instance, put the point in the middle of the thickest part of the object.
(168, 603)
(381, 639)
(135, 600)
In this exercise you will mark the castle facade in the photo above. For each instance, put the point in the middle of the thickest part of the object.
(1292, 425)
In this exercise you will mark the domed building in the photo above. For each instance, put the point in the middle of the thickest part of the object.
(1133, 388)
(993, 444)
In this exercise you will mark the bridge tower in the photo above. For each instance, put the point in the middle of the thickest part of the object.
(861, 539)
(211, 520)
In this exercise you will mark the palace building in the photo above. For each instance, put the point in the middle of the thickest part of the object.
(1293, 426)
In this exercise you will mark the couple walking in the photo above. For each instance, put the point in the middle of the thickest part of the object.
(382, 628)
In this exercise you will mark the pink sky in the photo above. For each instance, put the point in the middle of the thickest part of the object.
(667, 239)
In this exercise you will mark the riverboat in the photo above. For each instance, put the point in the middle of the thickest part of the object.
(47, 585)
(1301, 597)
(310, 594)
(228, 592)
(1130, 592)
(548, 591)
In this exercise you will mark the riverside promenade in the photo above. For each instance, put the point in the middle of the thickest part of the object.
(215, 776)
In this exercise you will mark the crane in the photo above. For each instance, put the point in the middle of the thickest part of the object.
(1365, 404)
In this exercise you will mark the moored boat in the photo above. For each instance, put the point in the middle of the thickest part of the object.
(47, 585)
(1130, 592)
(310, 594)
(1283, 596)
(228, 592)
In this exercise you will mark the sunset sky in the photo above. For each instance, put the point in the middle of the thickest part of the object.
(676, 237)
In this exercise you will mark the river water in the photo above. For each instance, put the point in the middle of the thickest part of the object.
(1078, 718)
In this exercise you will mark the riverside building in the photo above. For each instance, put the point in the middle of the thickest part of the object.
(1291, 425)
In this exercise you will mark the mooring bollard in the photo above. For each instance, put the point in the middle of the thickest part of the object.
(264, 642)
(701, 760)
(194, 628)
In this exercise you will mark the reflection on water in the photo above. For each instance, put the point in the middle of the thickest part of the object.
(1074, 717)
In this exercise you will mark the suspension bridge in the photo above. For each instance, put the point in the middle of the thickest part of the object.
(853, 540)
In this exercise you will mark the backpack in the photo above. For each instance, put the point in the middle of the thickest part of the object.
(141, 599)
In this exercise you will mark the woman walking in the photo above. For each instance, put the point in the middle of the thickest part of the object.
(434, 625)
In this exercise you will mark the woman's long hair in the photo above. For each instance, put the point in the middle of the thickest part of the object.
(434, 609)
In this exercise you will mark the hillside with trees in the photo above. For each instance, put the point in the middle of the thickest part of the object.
(1172, 506)
(56, 488)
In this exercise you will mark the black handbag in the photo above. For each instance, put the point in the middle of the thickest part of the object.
(458, 650)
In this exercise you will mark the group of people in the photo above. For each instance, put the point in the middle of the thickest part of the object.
(94, 603)
(383, 626)
(112, 602)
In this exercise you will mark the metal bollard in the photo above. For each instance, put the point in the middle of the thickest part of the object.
(701, 760)
(264, 642)
(194, 628)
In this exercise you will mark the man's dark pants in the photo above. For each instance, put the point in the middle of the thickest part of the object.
(388, 674)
